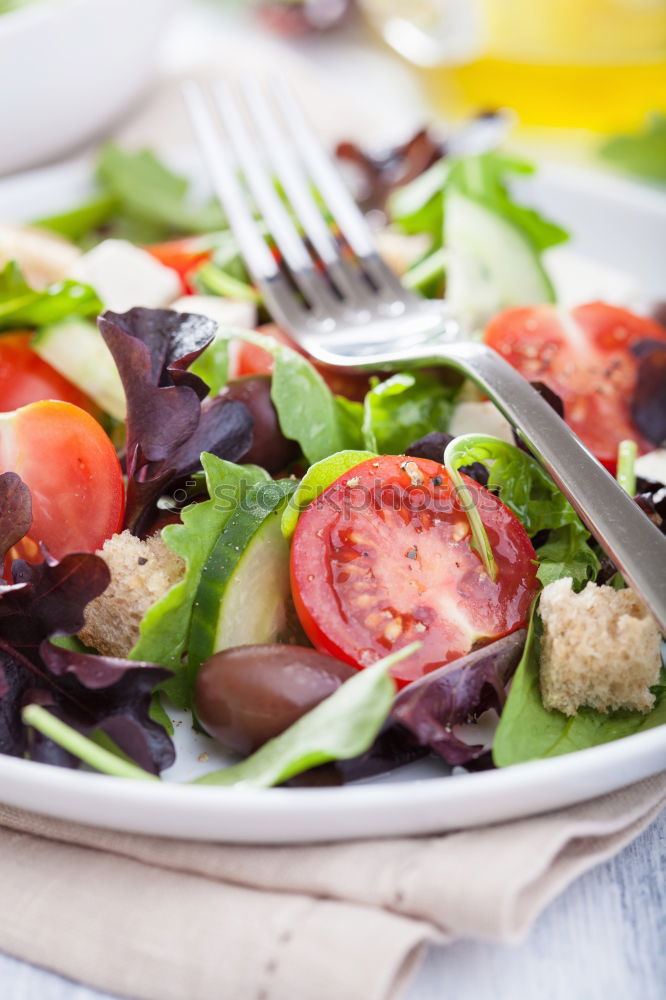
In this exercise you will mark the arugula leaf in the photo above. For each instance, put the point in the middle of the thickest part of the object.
(21, 305)
(528, 731)
(483, 178)
(344, 725)
(405, 407)
(454, 457)
(317, 479)
(530, 493)
(420, 206)
(165, 626)
(567, 553)
(642, 153)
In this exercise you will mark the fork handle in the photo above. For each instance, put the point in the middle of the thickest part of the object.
(635, 544)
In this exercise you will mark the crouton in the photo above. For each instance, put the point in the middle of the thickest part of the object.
(141, 572)
(600, 648)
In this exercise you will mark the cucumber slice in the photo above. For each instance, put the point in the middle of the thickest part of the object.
(244, 595)
(492, 265)
(76, 350)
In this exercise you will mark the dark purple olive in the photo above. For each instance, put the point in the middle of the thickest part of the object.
(247, 695)
(270, 448)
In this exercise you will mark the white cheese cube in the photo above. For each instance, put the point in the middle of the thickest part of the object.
(125, 276)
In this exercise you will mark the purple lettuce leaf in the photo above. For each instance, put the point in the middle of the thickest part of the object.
(456, 693)
(87, 691)
(14, 679)
(15, 511)
(106, 694)
(48, 599)
(648, 406)
(167, 424)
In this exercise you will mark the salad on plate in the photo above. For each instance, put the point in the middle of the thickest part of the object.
(331, 574)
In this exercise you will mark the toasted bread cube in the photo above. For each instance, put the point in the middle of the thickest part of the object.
(600, 648)
(141, 573)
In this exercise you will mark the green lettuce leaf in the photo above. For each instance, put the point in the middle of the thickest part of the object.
(21, 305)
(642, 153)
(318, 478)
(342, 726)
(164, 628)
(531, 494)
(404, 408)
(528, 731)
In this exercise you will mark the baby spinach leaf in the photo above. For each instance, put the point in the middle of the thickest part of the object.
(528, 731)
(307, 409)
(405, 407)
(344, 725)
(138, 198)
(147, 189)
(165, 625)
(318, 478)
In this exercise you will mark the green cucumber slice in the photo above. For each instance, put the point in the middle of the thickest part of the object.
(492, 265)
(76, 350)
(244, 595)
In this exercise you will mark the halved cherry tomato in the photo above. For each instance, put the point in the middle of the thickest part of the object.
(383, 557)
(74, 476)
(26, 378)
(184, 256)
(248, 359)
(585, 356)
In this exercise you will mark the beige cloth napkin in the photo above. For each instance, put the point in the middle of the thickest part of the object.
(157, 919)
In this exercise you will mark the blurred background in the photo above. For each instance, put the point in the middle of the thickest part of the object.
(583, 78)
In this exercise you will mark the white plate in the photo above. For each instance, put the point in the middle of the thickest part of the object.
(621, 227)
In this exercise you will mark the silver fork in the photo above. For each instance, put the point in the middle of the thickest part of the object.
(347, 309)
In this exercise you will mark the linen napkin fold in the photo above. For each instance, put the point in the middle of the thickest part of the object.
(157, 919)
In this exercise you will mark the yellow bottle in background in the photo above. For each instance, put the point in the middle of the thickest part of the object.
(596, 64)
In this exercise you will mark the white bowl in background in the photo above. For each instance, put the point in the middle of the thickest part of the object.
(69, 68)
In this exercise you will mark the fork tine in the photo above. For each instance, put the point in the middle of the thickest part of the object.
(265, 272)
(296, 184)
(348, 216)
(253, 247)
(280, 225)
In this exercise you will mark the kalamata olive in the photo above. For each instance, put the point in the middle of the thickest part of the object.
(247, 695)
(270, 448)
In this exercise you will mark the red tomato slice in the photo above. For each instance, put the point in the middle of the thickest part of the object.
(584, 356)
(184, 256)
(25, 378)
(383, 558)
(248, 359)
(74, 476)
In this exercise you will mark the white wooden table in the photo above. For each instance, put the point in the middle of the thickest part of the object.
(603, 939)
